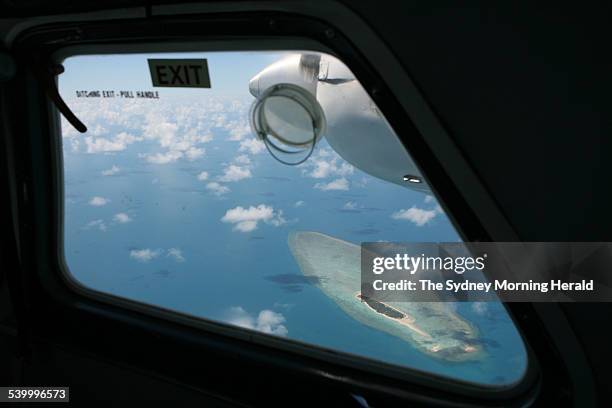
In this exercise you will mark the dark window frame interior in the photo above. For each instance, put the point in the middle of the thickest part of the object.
(57, 308)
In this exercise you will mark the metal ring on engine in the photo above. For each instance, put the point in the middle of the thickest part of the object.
(263, 130)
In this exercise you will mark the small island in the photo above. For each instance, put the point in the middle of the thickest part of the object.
(433, 328)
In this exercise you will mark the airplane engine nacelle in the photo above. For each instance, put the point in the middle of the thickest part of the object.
(351, 122)
(297, 69)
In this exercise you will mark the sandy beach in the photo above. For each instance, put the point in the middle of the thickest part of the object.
(407, 320)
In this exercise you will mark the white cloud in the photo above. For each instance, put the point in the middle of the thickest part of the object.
(252, 146)
(144, 255)
(116, 144)
(267, 321)
(122, 218)
(179, 137)
(193, 136)
(361, 182)
(298, 204)
(330, 168)
(429, 199)
(350, 205)
(235, 173)
(98, 201)
(243, 159)
(324, 153)
(203, 176)
(111, 172)
(326, 164)
(96, 224)
(180, 128)
(246, 226)
(177, 254)
(217, 189)
(480, 308)
(75, 143)
(100, 145)
(247, 219)
(416, 215)
(163, 158)
(161, 130)
(97, 130)
(278, 219)
(194, 153)
(271, 322)
(338, 184)
(238, 130)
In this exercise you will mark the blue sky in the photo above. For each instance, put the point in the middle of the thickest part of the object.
(173, 202)
(228, 72)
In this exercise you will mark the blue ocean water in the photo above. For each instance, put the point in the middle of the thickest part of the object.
(143, 221)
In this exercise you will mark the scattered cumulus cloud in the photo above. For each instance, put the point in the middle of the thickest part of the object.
(144, 255)
(180, 137)
(99, 224)
(267, 321)
(162, 158)
(238, 130)
(324, 153)
(179, 129)
(203, 176)
(246, 226)
(278, 219)
(98, 201)
(252, 146)
(321, 168)
(298, 204)
(111, 172)
(350, 205)
(416, 215)
(247, 219)
(194, 153)
(206, 138)
(338, 184)
(96, 130)
(362, 182)
(217, 189)
(480, 308)
(158, 128)
(243, 159)
(235, 173)
(122, 218)
(103, 145)
(147, 254)
(177, 254)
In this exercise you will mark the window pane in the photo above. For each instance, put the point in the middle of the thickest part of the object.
(172, 200)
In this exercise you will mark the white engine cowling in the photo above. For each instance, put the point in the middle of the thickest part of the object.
(355, 128)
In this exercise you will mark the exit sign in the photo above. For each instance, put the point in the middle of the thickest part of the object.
(179, 73)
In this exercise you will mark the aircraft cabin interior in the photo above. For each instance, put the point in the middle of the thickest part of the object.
(305, 203)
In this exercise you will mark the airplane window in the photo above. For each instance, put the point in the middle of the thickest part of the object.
(238, 186)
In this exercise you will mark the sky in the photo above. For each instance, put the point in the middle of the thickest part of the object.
(228, 72)
(173, 202)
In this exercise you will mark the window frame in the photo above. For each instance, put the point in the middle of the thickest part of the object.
(66, 292)
(204, 322)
